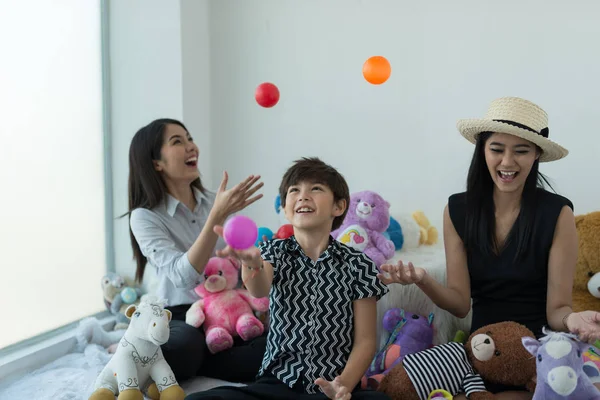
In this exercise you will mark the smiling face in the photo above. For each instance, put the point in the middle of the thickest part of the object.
(178, 156)
(310, 206)
(509, 160)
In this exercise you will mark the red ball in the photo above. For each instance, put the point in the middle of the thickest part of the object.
(284, 231)
(266, 95)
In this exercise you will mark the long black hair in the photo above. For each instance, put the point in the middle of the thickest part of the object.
(146, 189)
(480, 221)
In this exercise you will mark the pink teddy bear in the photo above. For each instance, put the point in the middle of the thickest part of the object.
(223, 310)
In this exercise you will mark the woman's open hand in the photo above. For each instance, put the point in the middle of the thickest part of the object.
(400, 273)
(230, 201)
(586, 324)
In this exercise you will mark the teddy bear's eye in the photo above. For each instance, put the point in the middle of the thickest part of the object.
(539, 357)
(578, 353)
(497, 353)
(136, 314)
(373, 205)
(205, 276)
(220, 273)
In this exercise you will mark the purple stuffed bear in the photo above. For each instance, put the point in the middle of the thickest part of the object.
(409, 333)
(363, 227)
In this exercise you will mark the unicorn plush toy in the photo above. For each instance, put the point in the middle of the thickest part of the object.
(138, 363)
(559, 367)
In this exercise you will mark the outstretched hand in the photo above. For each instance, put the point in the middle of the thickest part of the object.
(250, 257)
(333, 389)
(586, 324)
(230, 201)
(400, 273)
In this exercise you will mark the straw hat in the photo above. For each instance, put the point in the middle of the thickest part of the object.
(518, 117)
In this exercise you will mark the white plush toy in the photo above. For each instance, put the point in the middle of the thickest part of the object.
(138, 363)
(415, 230)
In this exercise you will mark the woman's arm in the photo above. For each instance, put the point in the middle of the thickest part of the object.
(227, 202)
(156, 244)
(455, 297)
(185, 269)
(365, 342)
(561, 270)
(204, 245)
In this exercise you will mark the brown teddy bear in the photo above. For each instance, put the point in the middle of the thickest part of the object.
(494, 352)
(586, 287)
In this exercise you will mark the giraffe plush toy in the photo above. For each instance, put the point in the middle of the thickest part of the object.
(138, 363)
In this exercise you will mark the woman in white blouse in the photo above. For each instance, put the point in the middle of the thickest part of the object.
(171, 219)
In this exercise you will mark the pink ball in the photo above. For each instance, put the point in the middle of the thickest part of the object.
(240, 232)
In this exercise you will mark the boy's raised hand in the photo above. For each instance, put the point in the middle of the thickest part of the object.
(249, 257)
(333, 389)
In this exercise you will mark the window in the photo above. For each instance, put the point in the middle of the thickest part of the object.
(52, 207)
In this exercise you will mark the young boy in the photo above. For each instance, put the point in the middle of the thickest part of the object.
(322, 294)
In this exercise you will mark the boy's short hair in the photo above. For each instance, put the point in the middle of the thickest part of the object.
(312, 169)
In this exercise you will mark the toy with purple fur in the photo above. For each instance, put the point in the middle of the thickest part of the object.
(409, 333)
(559, 367)
(364, 226)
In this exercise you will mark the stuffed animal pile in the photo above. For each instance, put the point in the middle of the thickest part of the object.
(223, 310)
(369, 227)
(586, 287)
(118, 296)
(494, 353)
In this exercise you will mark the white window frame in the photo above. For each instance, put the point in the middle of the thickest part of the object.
(29, 354)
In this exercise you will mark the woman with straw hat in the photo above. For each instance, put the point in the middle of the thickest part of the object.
(511, 245)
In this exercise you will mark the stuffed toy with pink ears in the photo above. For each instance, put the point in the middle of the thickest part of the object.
(224, 310)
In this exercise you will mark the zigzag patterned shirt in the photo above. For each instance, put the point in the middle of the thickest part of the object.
(311, 310)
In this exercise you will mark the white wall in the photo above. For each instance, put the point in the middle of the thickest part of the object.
(448, 62)
(146, 83)
(196, 79)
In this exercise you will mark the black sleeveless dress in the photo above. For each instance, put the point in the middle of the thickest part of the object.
(506, 291)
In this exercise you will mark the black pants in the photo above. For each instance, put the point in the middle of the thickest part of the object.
(271, 388)
(188, 356)
(497, 388)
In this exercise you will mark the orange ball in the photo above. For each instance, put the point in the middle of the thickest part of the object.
(376, 70)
